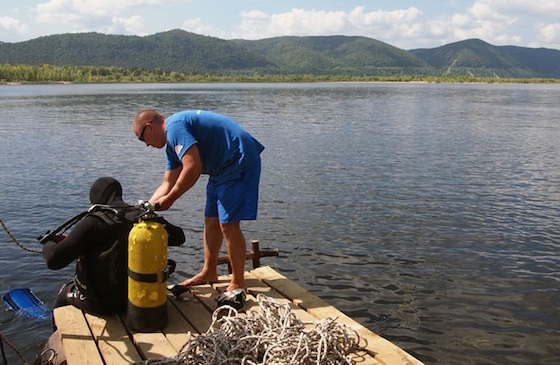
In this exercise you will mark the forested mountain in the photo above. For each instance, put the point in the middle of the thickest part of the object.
(479, 58)
(186, 52)
(174, 50)
(335, 55)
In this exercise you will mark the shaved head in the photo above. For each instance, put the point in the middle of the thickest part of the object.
(146, 116)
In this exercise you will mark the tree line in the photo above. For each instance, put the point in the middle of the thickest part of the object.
(37, 74)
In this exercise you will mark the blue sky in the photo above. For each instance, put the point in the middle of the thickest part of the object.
(404, 24)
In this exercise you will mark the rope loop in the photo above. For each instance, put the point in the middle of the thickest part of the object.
(272, 336)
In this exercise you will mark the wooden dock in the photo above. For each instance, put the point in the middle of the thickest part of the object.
(88, 339)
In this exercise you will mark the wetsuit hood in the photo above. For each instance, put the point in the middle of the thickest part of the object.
(106, 190)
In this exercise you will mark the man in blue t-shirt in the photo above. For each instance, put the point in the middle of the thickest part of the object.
(202, 142)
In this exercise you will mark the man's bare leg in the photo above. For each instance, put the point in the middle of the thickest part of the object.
(237, 253)
(212, 243)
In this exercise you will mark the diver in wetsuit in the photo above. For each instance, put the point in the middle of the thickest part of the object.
(99, 244)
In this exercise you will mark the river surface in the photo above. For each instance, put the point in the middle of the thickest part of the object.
(430, 213)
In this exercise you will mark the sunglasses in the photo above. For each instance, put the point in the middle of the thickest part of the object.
(141, 136)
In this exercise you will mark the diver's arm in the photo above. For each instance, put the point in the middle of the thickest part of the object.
(60, 255)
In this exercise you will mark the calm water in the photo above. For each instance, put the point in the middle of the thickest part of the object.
(429, 213)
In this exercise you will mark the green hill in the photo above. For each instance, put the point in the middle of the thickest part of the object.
(334, 55)
(478, 58)
(174, 50)
(185, 52)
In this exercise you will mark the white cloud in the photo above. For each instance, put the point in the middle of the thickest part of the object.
(94, 8)
(522, 7)
(549, 34)
(410, 21)
(196, 25)
(130, 25)
(503, 22)
(484, 22)
(11, 26)
(105, 16)
(258, 24)
(9, 23)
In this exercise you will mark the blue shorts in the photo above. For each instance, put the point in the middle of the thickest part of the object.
(234, 199)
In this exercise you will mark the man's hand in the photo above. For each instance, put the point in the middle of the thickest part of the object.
(162, 204)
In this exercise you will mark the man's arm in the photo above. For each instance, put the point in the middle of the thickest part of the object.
(169, 179)
(179, 181)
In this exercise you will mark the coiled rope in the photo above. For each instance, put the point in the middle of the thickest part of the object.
(273, 336)
(14, 239)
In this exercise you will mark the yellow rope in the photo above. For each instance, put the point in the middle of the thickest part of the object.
(14, 239)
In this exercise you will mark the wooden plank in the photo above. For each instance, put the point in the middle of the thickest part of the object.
(153, 345)
(222, 284)
(112, 340)
(77, 342)
(386, 351)
(194, 311)
(206, 294)
(178, 330)
(256, 287)
(288, 288)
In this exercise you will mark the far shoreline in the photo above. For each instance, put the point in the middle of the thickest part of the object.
(228, 80)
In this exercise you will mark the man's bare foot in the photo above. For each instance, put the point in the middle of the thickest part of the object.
(232, 286)
(200, 279)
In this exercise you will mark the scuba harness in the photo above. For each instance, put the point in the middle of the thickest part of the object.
(144, 208)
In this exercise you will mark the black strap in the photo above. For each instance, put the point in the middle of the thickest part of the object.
(159, 277)
(49, 235)
(119, 212)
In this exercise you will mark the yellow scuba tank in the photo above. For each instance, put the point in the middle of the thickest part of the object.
(147, 276)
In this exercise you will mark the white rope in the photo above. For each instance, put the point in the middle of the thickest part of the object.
(272, 336)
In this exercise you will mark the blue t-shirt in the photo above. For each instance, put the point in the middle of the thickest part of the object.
(225, 148)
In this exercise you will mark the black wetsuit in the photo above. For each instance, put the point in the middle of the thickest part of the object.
(99, 245)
